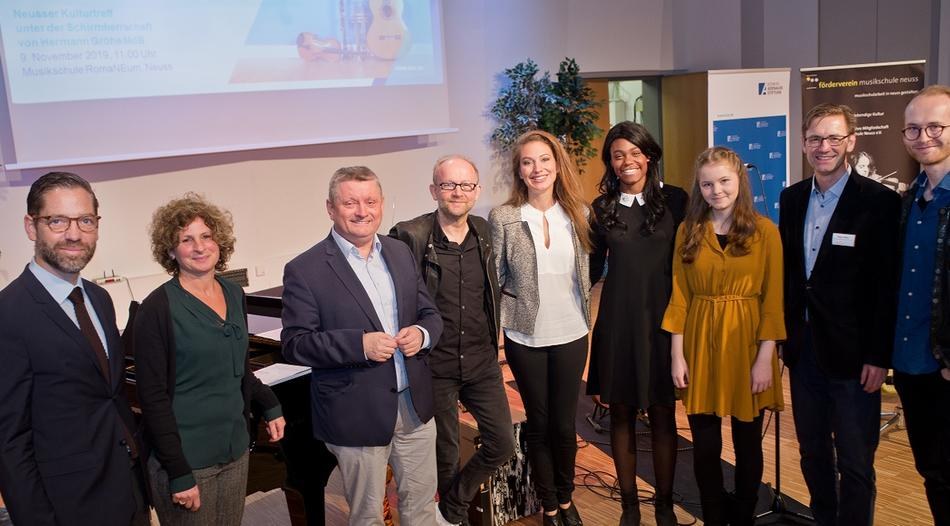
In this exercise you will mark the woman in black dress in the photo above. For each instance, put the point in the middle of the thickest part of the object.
(636, 217)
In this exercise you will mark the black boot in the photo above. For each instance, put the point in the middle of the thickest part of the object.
(631, 510)
(663, 511)
(740, 511)
(551, 520)
(714, 513)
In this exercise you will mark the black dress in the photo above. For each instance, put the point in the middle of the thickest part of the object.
(630, 354)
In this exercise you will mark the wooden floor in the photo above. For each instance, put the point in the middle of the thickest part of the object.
(900, 499)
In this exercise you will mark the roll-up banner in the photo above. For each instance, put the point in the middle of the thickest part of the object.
(878, 94)
(748, 112)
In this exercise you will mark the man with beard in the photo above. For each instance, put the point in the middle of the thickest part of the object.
(454, 251)
(922, 339)
(67, 453)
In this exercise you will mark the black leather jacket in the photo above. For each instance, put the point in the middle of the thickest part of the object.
(417, 233)
(940, 306)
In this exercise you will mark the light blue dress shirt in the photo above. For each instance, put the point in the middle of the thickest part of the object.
(821, 206)
(59, 289)
(378, 283)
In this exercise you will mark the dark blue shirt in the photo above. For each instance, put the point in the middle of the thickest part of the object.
(912, 353)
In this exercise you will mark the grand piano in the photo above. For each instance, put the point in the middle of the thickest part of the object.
(308, 462)
(300, 464)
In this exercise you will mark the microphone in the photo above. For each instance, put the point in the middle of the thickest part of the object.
(749, 166)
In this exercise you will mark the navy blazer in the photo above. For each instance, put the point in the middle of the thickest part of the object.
(325, 314)
(851, 294)
(63, 458)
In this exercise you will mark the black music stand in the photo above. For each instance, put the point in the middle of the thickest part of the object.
(778, 512)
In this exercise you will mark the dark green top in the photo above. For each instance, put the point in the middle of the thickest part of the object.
(209, 366)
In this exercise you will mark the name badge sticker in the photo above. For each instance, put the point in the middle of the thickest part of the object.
(842, 240)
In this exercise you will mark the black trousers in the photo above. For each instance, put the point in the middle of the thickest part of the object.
(484, 397)
(549, 380)
(925, 399)
(707, 450)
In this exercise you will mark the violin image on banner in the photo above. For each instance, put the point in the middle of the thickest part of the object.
(388, 36)
(312, 48)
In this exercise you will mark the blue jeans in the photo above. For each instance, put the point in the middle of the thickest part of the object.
(838, 428)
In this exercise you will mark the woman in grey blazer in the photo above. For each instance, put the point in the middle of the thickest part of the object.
(541, 239)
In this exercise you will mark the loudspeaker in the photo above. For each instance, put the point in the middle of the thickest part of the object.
(508, 495)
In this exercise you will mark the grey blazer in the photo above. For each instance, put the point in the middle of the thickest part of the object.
(517, 265)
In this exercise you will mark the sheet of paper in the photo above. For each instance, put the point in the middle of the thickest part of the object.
(280, 373)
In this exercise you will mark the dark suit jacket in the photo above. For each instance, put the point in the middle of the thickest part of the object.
(62, 453)
(325, 314)
(851, 294)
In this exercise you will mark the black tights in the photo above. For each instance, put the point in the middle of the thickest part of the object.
(623, 445)
(707, 450)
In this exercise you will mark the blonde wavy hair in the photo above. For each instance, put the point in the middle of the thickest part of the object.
(744, 214)
(567, 185)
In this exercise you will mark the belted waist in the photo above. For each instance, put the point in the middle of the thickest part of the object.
(724, 297)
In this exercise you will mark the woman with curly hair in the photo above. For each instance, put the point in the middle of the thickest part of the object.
(541, 239)
(725, 315)
(636, 217)
(194, 384)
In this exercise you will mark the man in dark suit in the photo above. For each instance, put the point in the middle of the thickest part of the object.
(355, 309)
(67, 455)
(839, 232)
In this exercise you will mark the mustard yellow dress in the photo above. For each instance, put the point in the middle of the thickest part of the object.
(723, 305)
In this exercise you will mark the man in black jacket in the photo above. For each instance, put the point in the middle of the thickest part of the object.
(922, 339)
(839, 233)
(457, 264)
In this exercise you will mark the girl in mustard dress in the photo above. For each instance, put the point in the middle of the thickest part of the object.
(725, 315)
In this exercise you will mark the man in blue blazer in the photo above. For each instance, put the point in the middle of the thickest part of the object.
(67, 453)
(839, 233)
(356, 310)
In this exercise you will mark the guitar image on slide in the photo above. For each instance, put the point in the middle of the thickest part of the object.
(388, 36)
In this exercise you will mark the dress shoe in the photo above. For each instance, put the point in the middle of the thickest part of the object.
(570, 517)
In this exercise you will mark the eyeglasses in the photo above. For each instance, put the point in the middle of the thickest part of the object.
(912, 133)
(466, 187)
(814, 141)
(60, 224)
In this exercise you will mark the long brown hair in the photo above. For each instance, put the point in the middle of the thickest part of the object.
(567, 184)
(744, 215)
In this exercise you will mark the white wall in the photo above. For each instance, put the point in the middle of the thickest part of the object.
(277, 196)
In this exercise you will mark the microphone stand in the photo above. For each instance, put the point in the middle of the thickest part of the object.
(778, 512)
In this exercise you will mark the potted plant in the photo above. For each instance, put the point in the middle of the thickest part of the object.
(564, 107)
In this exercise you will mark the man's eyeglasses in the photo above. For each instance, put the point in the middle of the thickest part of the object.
(912, 133)
(60, 224)
(466, 187)
(814, 141)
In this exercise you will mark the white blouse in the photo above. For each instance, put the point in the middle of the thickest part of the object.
(560, 314)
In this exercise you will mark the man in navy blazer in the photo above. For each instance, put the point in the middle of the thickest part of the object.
(67, 455)
(839, 232)
(356, 310)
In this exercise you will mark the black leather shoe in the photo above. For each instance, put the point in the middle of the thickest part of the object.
(551, 520)
(570, 517)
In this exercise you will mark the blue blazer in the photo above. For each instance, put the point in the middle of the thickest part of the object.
(63, 458)
(325, 314)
